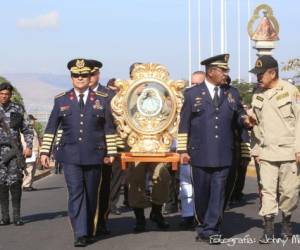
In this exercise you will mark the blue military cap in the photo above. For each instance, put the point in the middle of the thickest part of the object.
(220, 61)
(95, 65)
(79, 66)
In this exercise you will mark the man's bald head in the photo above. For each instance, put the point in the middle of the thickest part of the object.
(198, 77)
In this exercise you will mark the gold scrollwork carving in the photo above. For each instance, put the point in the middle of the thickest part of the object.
(147, 108)
(256, 15)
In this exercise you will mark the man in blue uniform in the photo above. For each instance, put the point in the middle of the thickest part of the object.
(205, 139)
(88, 141)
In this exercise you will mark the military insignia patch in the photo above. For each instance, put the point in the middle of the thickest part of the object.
(226, 57)
(258, 64)
(230, 98)
(260, 98)
(63, 108)
(80, 63)
(286, 94)
(97, 105)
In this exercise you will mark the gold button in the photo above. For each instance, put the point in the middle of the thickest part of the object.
(217, 118)
(216, 126)
(217, 136)
(81, 123)
(81, 131)
(80, 139)
(217, 108)
(81, 115)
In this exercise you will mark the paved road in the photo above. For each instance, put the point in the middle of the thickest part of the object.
(47, 226)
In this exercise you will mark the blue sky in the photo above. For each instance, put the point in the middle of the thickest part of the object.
(41, 36)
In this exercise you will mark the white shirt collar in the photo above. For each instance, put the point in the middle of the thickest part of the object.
(85, 95)
(211, 88)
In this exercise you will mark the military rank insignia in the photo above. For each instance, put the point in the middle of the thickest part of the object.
(198, 101)
(97, 105)
(64, 108)
(230, 98)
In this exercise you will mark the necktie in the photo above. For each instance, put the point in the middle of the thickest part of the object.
(216, 97)
(81, 102)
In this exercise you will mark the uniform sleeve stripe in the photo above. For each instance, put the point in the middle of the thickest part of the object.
(49, 135)
(44, 151)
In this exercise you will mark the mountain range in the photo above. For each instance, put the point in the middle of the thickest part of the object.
(38, 90)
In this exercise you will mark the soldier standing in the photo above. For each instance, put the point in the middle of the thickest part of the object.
(276, 109)
(110, 176)
(13, 121)
(88, 141)
(205, 139)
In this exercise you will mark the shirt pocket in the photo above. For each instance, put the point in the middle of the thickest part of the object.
(65, 113)
(198, 109)
(285, 108)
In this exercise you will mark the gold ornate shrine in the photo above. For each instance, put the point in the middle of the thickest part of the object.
(147, 109)
(268, 28)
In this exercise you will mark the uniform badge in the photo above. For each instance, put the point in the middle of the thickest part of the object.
(71, 96)
(97, 105)
(63, 108)
(282, 96)
(298, 99)
(92, 96)
(230, 98)
(260, 98)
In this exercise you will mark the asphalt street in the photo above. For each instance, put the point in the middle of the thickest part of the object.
(47, 226)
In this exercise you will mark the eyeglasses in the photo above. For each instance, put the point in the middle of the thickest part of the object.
(75, 75)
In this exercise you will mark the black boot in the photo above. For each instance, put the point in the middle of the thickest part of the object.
(156, 216)
(268, 233)
(16, 193)
(286, 227)
(140, 224)
(4, 201)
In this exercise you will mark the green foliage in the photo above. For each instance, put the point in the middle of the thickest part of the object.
(245, 89)
(39, 129)
(293, 65)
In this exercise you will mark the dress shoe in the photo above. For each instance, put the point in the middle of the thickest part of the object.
(29, 189)
(211, 240)
(187, 223)
(115, 211)
(80, 242)
(18, 222)
(4, 222)
(103, 231)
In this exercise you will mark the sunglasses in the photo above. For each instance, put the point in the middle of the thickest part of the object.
(75, 75)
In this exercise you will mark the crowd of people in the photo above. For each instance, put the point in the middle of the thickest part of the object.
(216, 138)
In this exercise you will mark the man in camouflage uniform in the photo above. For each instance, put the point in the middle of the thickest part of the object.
(13, 121)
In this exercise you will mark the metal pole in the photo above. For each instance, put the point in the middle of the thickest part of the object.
(189, 43)
(199, 33)
(225, 26)
(211, 29)
(239, 40)
(222, 26)
(249, 48)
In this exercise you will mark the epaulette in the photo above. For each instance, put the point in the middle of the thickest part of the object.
(59, 95)
(100, 93)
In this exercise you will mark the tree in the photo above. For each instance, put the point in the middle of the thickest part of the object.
(245, 90)
(293, 65)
